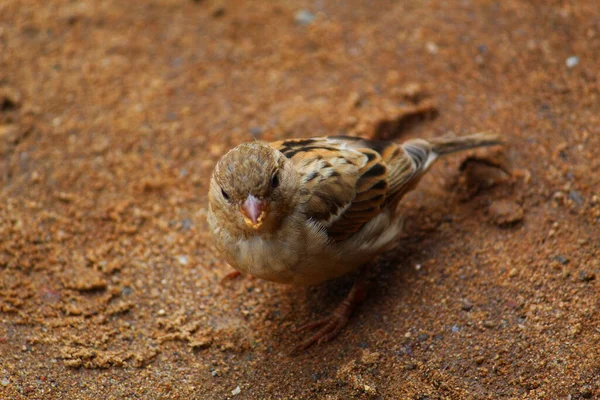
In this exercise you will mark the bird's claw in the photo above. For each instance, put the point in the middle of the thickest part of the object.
(329, 328)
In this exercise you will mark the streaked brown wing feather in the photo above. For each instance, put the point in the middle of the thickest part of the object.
(407, 167)
(329, 175)
(351, 179)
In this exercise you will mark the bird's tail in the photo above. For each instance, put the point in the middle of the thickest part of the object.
(451, 144)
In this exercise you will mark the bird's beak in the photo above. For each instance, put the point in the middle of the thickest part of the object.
(254, 211)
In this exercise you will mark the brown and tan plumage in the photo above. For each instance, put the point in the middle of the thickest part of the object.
(307, 210)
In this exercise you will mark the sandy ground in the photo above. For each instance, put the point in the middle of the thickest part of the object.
(113, 113)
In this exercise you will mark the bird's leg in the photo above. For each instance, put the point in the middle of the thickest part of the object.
(232, 275)
(331, 326)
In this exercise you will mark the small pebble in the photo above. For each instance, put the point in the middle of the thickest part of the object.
(186, 224)
(455, 328)
(467, 305)
(586, 276)
(572, 61)
(575, 329)
(236, 391)
(304, 17)
(505, 212)
(561, 259)
(183, 260)
(513, 272)
(370, 357)
(422, 337)
(4, 382)
(161, 312)
(432, 48)
(576, 197)
(489, 324)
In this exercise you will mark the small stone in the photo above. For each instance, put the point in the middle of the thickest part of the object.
(479, 360)
(126, 291)
(489, 324)
(561, 259)
(72, 309)
(432, 48)
(422, 337)
(4, 382)
(304, 17)
(369, 357)
(505, 212)
(513, 272)
(236, 391)
(575, 329)
(84, 279)
(186, 224)
(76, 363)
(413, 92)
(455, 329)
(576, 197)
(467, 305)
(65, 197)
(586, 276)
(201, 343)
(183, 260)
(161, 312)
(572, 61)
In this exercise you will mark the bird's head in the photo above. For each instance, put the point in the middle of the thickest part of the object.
(253, 188)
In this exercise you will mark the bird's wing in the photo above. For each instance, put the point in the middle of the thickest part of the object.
(351, 179)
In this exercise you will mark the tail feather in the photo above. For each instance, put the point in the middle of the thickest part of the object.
(447, 144)
(423, 153)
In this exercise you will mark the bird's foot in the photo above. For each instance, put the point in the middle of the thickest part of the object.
(332, 325)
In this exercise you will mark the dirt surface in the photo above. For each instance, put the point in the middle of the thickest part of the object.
(113, 113)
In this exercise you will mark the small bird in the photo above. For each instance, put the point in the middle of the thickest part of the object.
(303, 211)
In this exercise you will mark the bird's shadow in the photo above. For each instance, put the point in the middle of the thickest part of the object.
(393, 273)
(389, 274)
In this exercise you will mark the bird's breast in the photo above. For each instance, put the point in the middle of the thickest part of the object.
(299, 253)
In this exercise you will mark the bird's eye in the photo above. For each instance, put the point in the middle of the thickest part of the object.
(275, 180)
(225, 194)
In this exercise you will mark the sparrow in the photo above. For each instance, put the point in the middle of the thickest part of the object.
(303, 211)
